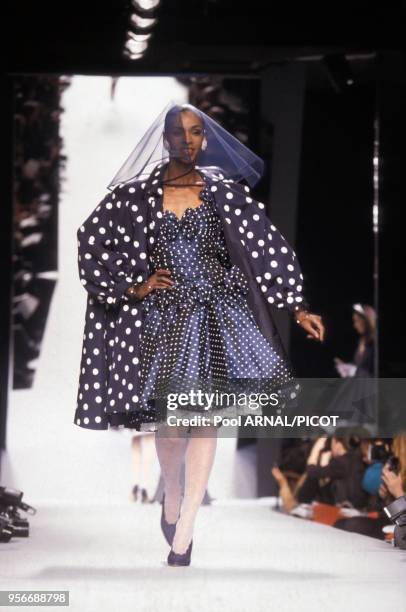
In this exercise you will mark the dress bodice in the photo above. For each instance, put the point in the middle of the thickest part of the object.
(194, 249)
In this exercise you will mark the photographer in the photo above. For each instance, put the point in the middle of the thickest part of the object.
(394, 471)
(390, 486)
(333, 475)
(336, 472)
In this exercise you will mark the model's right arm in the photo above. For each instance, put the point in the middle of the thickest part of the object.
(106, 269)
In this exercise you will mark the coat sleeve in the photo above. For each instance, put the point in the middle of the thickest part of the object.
(273, 261)
(283, 277)
(106, 252)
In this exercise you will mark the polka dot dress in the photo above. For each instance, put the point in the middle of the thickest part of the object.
(214, 325)
(201, 330)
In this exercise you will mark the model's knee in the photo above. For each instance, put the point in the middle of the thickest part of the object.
(204, 431)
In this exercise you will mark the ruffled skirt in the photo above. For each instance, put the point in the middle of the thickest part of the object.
(202, 337)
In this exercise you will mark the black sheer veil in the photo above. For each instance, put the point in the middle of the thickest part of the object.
(166, 138)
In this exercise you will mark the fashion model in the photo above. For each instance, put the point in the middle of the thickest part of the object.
(182, 268)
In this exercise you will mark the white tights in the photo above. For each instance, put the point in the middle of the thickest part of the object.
(198, 451)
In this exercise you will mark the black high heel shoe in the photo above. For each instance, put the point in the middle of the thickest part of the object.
(168, 529)
(135, 492)
(177, 559)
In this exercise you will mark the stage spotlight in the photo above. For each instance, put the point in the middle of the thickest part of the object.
(142, 23)
(136, 46)
(132, 56)
(138, 37)
(145, 5)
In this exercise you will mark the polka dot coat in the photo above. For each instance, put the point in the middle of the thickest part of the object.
(123, 241)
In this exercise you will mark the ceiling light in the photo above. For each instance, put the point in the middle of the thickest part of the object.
(145, 5)
(143, 23)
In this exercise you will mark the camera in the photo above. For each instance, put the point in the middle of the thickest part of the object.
(393, 464)
(378, 451)
(396, 511)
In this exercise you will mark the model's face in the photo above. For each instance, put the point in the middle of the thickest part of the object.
(359, 323)
(185, 137)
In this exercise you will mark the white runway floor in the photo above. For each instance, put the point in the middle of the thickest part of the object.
(245, 557)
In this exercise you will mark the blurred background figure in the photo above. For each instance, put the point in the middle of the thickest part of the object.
(145, 469)
(356, 474)
(364, 322)
(143, 457)
(333, 475)
(355, 398)
(385, 481)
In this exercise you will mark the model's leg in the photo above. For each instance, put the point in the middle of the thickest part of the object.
(199, 459)
(136, 459)
(148, 456)
(170, 443)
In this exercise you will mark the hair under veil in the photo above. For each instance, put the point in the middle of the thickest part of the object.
(221, 151)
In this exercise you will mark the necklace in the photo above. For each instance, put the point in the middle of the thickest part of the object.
(197, 183)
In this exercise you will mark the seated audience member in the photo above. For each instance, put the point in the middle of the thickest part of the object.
(333, 475)
(389, 484)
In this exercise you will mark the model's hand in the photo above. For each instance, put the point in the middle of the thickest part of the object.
(158, 280)
(313, 324)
